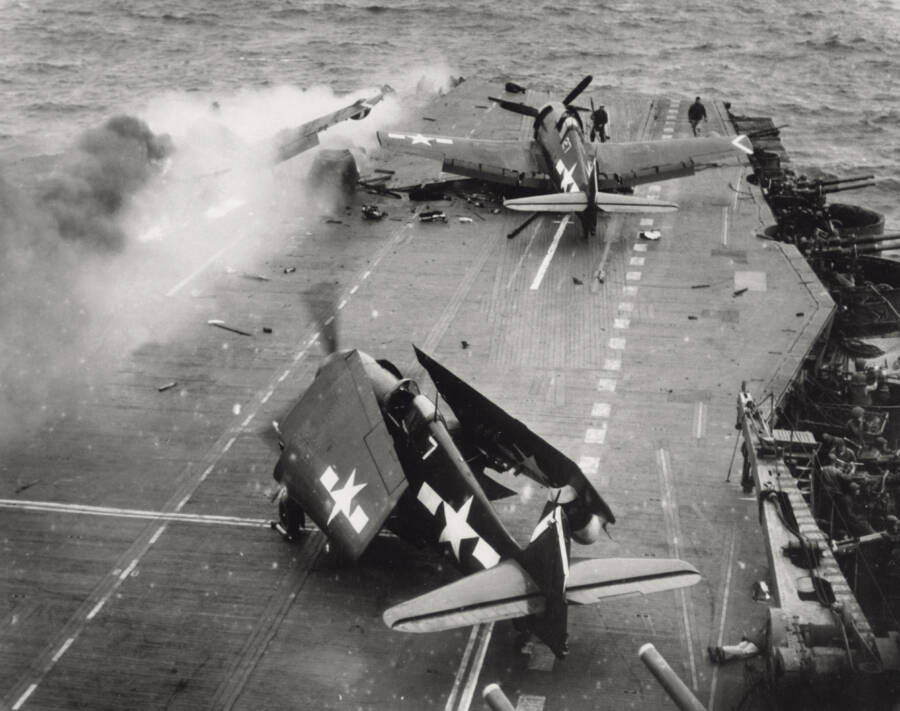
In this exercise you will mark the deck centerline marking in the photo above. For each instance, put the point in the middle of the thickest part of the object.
(112, 512)
(673, 531)
(539, 277)
(721, 637)
(518, 266)
(62, 650)
(465, 700)
(724, 226)
(203, 267)
(463, 665)
(24, 697)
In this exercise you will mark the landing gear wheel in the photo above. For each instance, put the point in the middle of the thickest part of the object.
(290, 516)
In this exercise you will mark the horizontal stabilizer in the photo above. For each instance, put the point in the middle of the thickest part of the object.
(594, 579)
(506, 591)
(503, 592)
(577, 202)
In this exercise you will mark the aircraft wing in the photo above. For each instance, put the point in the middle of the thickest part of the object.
(513, 162)
(507, 591)
(339, 461)
(650, 161)
(292, 141)
(507, 441)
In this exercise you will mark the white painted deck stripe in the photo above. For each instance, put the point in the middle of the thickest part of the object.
(539, 277)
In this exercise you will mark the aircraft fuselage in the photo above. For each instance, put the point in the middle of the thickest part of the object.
(560, 134)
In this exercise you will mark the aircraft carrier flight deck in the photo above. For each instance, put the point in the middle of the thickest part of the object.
(141, 568)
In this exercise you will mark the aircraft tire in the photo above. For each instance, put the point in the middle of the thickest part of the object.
(292, 517)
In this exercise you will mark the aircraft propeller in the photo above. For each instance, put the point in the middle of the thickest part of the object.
(526, 110)
(582, 85)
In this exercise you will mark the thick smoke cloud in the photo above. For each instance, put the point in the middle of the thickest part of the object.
(90, 256)
(109, 164)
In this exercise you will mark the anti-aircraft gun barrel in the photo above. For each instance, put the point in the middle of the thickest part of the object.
(857, 249)
(677, 690)
(841, 188)
(837, 181)
(861, 240)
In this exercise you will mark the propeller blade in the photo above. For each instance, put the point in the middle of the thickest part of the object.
(322, 301)
(544, 111)
(582, 85)
(516, 107)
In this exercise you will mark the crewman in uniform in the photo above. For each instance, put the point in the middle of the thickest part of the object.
(599, 119)
(696, 114)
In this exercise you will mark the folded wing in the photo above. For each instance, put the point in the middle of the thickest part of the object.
(339, 462)
(506, 441)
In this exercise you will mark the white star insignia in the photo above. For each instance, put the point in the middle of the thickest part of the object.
(419, 138)
(566, 181)
(343, 498)
(456, 526)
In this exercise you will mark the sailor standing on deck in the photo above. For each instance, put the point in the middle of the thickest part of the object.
(696, 114)
(599, 119)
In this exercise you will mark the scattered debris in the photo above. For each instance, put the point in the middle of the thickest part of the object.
(464, 344)
(255, 277)
(800, 314)
(651, 235)
(167, 386)
(577, 281)
(741, 291)
(700, 286)
(432, 216)
(218, 323)
(290, 270)
(333, 221)
(266, 329)
(692, 318)
(495, 211)
(26, 487)
(373, 212)
(465, 220)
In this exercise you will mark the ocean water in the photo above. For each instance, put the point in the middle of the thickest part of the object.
(829, 70)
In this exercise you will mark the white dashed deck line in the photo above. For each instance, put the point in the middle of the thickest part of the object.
(630, 290)
(601, 409)
(632, 276)
(617, 344)
(613, 364)
(621, 323)
(606, 385)
(637, 261)
(24, 697)
(62, 650)
(595, 435)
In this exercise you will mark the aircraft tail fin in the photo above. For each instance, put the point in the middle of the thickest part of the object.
(578, 202)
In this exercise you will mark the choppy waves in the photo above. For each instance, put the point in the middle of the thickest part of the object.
(828, 71)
